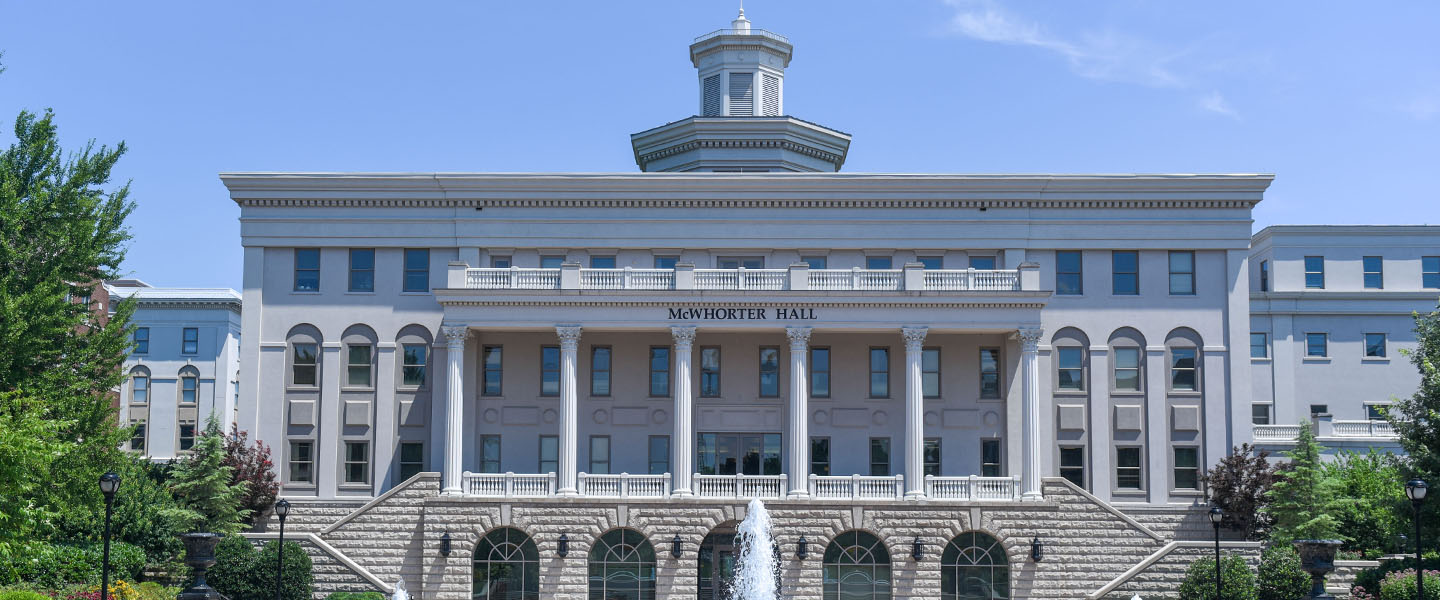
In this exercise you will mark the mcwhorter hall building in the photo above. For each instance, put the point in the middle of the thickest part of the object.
(569, 385)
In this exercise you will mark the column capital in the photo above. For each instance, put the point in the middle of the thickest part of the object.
(455, 335)
(684, 336)
(799, 338)
(1030, 338)
(569, 336)
(914, 337)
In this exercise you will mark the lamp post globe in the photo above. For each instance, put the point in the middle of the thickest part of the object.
(1415, 490)
(109, 484)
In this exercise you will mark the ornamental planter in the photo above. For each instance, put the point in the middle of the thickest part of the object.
(200, 556)
(1317, 557)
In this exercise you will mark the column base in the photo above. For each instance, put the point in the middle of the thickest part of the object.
(567, 492)
(450, 491)
(915, 495)
(1032, 497)
(682, 493)
(798, 495)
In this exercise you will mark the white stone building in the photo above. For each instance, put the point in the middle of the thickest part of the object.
(183, 367)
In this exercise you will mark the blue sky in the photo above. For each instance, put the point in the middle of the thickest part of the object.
(1340, 100)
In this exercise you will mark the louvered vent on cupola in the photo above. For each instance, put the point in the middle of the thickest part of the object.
(770, 96)
(742, 94)
(711, 97)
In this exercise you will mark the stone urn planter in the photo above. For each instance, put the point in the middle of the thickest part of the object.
(1317, 557)
(200, 556)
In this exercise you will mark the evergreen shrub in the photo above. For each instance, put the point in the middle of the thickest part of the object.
(1280, 575)
(1236, 580)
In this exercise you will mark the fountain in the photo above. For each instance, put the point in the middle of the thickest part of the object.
(757, 570)
(400, 592)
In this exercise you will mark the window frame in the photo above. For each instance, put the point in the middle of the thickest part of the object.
(1116, 273)
(1265, 275)
(1429, 279)
(999, 393)
(189, 377)
(298, 270)
(368, 366)
(815, 372)
(1324, 344)
(1172, 370)
(545, 371)
(710, 375)
(498, 351)
(609, 455)
(180, 437)
(823, 440)
(938, 392)
(664, 456)
(1318, 273)
(354, 271)
(1384, 345)
(406, 271)
(139, 433)
(540, 459)
(1059, 353)
(505, 261)
(348, 462)
(927, 261)
(608, 371)
(1139, 469)
(1078, 274)
(772, 372)
(816, 262)
(658, 261)
(1379, 272)
(873, 262)
(292, 461)
(882, 443)
(140, 340)
(1062, 468)
(929, 445)
(870, 366)
(1184, 274)
(406, 367)
(557, 260)
(190, 340)
(668, 372)
(982, 258)
(1264, 345)
(1176, 469)
(313, 365)
(999, 464)
(739, 262)
(1115, 369)
(1269, 416)
(403, 465)
(488, 463)
(136, 375)
(603, 259)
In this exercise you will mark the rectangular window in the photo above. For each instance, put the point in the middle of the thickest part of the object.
(189, 340)
(659, 371)
(989, 372)
(930, 372)
(1264, 275)
(983, 263)
(879, 372)
(1182, 273)
(1072, 465)
(552, 261)
(1125, 273)
(187, 435)
(666, 262)
(599, 454)
(931, 454)
(602, 262)
(412, 366)
(599, 370)
(990, 458)
(1430, 272)
(769, 372)
(1127, 369)
(931, 262)
(490, 454)
(1376, 412)
(1319, 409)
(137, 438)
(1374, 272)
(140, 389)
(1375, 345)
(417, 270)
(304, 365)
(878, 262)
(819, 372)
(737, 262)
(1259, 414)
(1070, 365)
(659, 454)
(307, 270)
(709, 372)
(1315, 272)
(1187, 468)
(357, 366)
(820, 456)
(549, 370)
(494, 371)
(1127, 468)
(1182, 369)
(188, 385)
(500, 262)
(880, 456)
(815, 262)
(357, 462)
(1259, 345)
(412, 459)
(302, 462)
(1068, 276)
(142, 340)
(362, 269)
(1317, 344)
(742, 453)
(549, 453)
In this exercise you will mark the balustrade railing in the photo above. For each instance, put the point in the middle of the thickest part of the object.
(739, 486)
(767, 487)
(1275, 433)
(971, 488)
(508, 485)
(971, 280)
(629, 278)
(513, 278)
(624, 485)
(1371, 429)
(857, 487)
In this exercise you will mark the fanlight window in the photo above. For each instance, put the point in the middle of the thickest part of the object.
(857, 566)
(507, 566)
(622, 566)
(974, 567)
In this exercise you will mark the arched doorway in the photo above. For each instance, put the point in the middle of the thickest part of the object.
(717, 563)
(974, 567)
(856, 567)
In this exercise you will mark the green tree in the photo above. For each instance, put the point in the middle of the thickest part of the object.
(205, 485)
(146, 513)
(1304, 499)
(1378, 511)
(1280, 575)
(1417, 418)
(1239, 484)
(1237, 582)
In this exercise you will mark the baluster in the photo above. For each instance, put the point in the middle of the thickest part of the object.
(624, 485)
(855, 278)
(626, 276)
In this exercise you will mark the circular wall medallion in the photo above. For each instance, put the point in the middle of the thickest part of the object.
(658, 416)
(932, 418)
(601, 416)
(491, 415)
(992, 419)
(820, 417)
(550, 415)
(880, 417)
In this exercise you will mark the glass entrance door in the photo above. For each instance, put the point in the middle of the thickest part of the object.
(742, 453)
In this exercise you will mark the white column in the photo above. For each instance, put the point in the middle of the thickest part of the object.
(569, 409)
(682, 442)
(799, 411)
(914, 413)
(1030, 384)
(454, 405)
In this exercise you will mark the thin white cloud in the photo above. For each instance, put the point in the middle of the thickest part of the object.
(1214, 102)
(1423, 107)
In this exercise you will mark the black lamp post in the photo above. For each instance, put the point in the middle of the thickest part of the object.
(1217, 515)
(282, 510)
(1415, 489)
(109, 482)
(802, 548)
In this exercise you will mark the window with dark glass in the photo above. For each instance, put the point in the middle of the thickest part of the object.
(742, 453)
(879, 372)
(1070, 362)
(738, 262)
(142, 340)
(990, 458)
(1317, 344)
(1127, 369)
(1125, 273)
(357, 366)
(659, 454)
(189, 386)
(189, 340)
(491, 378)
(599, 454)
(659, 371)
(622, 567)
(137, 437)
(983, 263)
(489, 454)
(666, 262)
(1072, 464)
(307, 269)
(1430, 272)
(1182, 369)
(506, 567)
(362, 269)
(769, 372)
(1127, 468)
(930, 372)
(931, 262)
(417, 270)
(1315, 272)
(989, 372)
(600, 370)
(500, 262)
(1068, 275)
(1182, 273)
(820, 456)
(1259, 345)
(552, 261)
(709, 372)
(878, 262)
(139, 388)
(549, 370)
(1259, 414)
(1374, 272)
(549, 453)
(303, 364)
(1377, 412)
(1187, 468)
(357, 462)
(1264, 275)
(412, 459)
(973, 566)
(302, 462)
(602, 262)
(412, 366)
(880, 456)
(856, 566)
(1319, 409)
(815, 262)
(819, 372)
(931, 454)
(1375, 345)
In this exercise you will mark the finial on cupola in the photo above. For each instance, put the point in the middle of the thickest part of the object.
(741, 25)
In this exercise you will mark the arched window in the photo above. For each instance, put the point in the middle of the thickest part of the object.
(507, 566)
(1182, 347)
(622, 566)
(189, 385)
(857, 566)
(1071, 355)
(304, 357)
(974, 567)
(139, 385)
